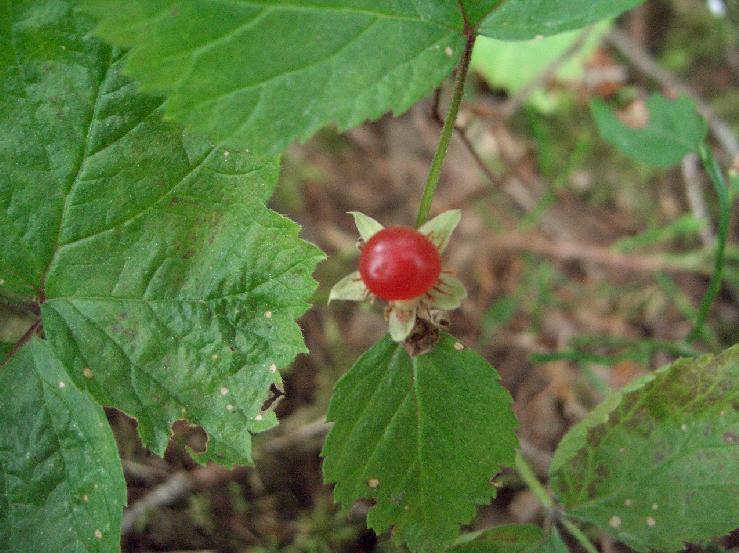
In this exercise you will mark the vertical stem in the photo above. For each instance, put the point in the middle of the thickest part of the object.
(714, 284)
(528, 475)
(432, 181)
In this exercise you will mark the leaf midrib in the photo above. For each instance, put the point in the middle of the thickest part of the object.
(80, 165)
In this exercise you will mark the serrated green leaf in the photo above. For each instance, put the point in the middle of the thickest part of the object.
(674, 129)
(258, 74)
(513, 65)
(421, 437)
(63, 487)
(657, 465)
(168, 289)
(525, 19)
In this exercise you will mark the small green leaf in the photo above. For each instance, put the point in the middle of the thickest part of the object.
(366, 225)
(657, 464)
(421, 437)
(259, 74)
(349, 288)
(447, 294)
(525, 19)
(402, 319)
(63, 487)
(674, 129)
(168, 289)
(507, 538)
(439, 229)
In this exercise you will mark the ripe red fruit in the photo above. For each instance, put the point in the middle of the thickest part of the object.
(399, 263)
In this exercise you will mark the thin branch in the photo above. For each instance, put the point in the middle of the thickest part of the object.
(648, 65)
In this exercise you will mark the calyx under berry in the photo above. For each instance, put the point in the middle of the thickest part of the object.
(402, 265)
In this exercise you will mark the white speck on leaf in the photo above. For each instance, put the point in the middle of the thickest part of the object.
(614, 521)
(459, 346)
(226, 153)
(214, 356)
(684, 427)
(268, 314)
(95, 486)
(273, 368)
(448, 51)
(224, 391)
(85, 498)
(651, 522)
(373, 483)
(229, 407)
(258, 417)
(2, 281)
(655, 506)
(98, 534)
(62, 384)
(87, 372)
(627, 503)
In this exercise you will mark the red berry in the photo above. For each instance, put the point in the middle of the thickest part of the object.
(399, 263)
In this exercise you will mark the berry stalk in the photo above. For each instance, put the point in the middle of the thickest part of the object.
(432, 181)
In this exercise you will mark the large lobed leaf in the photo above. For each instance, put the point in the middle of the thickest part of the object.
(168, 289)
(674, 128)
(526, 19)
(657, 465)
(259, 73)
(421, 437)
(63, 487)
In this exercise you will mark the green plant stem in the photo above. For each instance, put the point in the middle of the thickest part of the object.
(432, 181)
(714, 284)
(579, 535)
(528, 475)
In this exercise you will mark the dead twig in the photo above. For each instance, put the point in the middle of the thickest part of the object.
(578, 251)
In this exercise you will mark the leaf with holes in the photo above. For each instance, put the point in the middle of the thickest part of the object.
(657, 465)
(167, 288)
(672, 129)
(259, 74)
(63, 487)
(421, 437)
(526, 19)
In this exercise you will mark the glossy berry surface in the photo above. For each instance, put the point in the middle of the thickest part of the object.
(399, 263)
